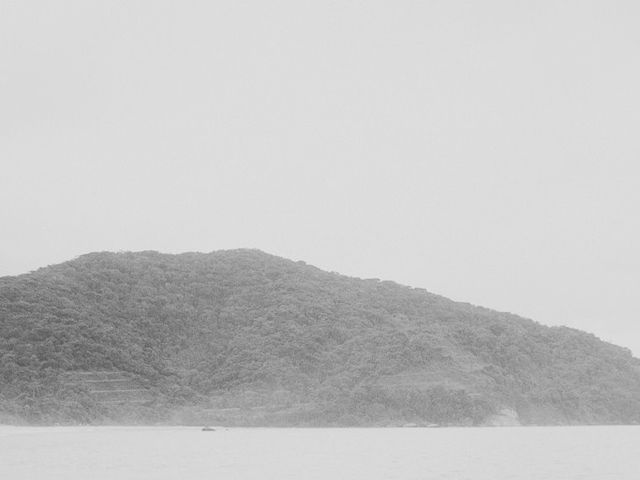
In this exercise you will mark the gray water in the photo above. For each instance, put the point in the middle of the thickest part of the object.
(158, 453)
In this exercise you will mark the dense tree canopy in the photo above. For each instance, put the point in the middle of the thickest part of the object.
(247, 337)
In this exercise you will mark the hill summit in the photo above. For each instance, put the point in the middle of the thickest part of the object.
(246, 338)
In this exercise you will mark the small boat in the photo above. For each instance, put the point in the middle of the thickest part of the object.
(208, 429)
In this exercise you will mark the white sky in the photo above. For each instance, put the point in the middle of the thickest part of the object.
(487, 151)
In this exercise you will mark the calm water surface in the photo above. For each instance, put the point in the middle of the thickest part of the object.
(158, 453)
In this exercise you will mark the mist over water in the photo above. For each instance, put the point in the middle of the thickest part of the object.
(158, 453)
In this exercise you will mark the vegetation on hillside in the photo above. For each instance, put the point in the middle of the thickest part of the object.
(245, 337)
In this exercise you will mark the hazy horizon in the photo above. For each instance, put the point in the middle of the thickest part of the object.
(485, 152)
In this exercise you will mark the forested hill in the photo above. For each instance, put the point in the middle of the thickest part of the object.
(243, 337)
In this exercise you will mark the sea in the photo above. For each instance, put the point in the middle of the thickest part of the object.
(183, 453)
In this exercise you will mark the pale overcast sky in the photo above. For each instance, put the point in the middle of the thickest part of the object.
(487, 151)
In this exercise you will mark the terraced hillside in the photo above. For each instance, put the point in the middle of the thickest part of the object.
(256, 339)
(109, 386)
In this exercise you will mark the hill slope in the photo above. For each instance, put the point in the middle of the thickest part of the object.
(244, 337)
